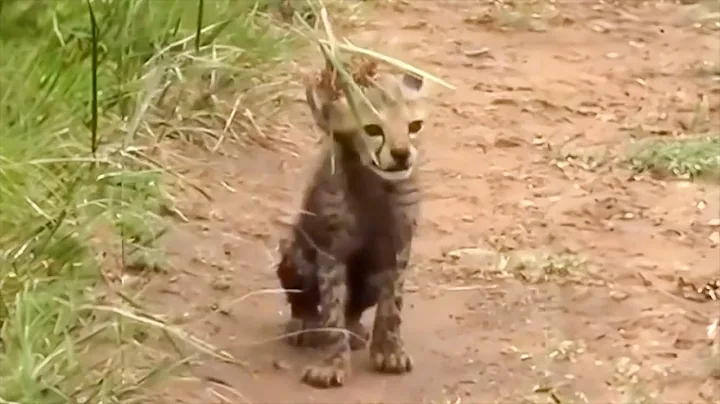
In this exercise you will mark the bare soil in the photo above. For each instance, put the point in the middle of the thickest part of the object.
(523, 159)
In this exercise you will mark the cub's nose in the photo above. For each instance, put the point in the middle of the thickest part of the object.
(401, 155)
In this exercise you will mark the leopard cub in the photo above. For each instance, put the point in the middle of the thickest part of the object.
(349, 248)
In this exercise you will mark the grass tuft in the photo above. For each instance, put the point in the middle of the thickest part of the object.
(693, 158)
(538, 267)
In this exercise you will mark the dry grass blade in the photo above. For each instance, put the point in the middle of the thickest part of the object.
(350, 81)
(197, 343)
(348, 84)
(347, 78)
(350, 47)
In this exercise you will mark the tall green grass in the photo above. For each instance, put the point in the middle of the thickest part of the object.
(87, 90)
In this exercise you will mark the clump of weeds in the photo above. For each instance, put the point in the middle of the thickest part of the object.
(89, 91)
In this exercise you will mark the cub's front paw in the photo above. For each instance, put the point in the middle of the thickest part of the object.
(302, 333)
(391, 358)
(330, 373)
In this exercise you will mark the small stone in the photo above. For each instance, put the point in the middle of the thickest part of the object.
(130, 280)
(476, 52)
(526, 203)
(474, 257)
(220, 283)
(216, 215)
(538, 25)
(618, 295)
(509, 141)
(714, 238)
(602, 26)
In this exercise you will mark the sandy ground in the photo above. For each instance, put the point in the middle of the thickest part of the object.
(523, 159)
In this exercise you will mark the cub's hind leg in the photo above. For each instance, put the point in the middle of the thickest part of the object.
(302, 330)
(332, 370)
(302, 295)
(359, 335)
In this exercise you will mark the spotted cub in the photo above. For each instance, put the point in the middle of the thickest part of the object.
(349, 248)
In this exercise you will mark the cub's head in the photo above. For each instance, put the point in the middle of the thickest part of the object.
(385, 141)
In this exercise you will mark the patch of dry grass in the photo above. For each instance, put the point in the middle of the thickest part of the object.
(539, 267)
(525, 15)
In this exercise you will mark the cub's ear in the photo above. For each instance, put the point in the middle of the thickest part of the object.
(412, 85)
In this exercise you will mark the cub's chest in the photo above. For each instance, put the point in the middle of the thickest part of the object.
(379, 202)
(382, 218)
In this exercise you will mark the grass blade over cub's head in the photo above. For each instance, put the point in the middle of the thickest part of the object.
(372, 114)
(379, 122)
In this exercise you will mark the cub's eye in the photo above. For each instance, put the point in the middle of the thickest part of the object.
(415, 126)
(373, 130)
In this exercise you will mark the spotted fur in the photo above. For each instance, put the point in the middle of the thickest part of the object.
(350, 247)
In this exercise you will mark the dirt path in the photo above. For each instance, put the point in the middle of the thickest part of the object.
(521, 158)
